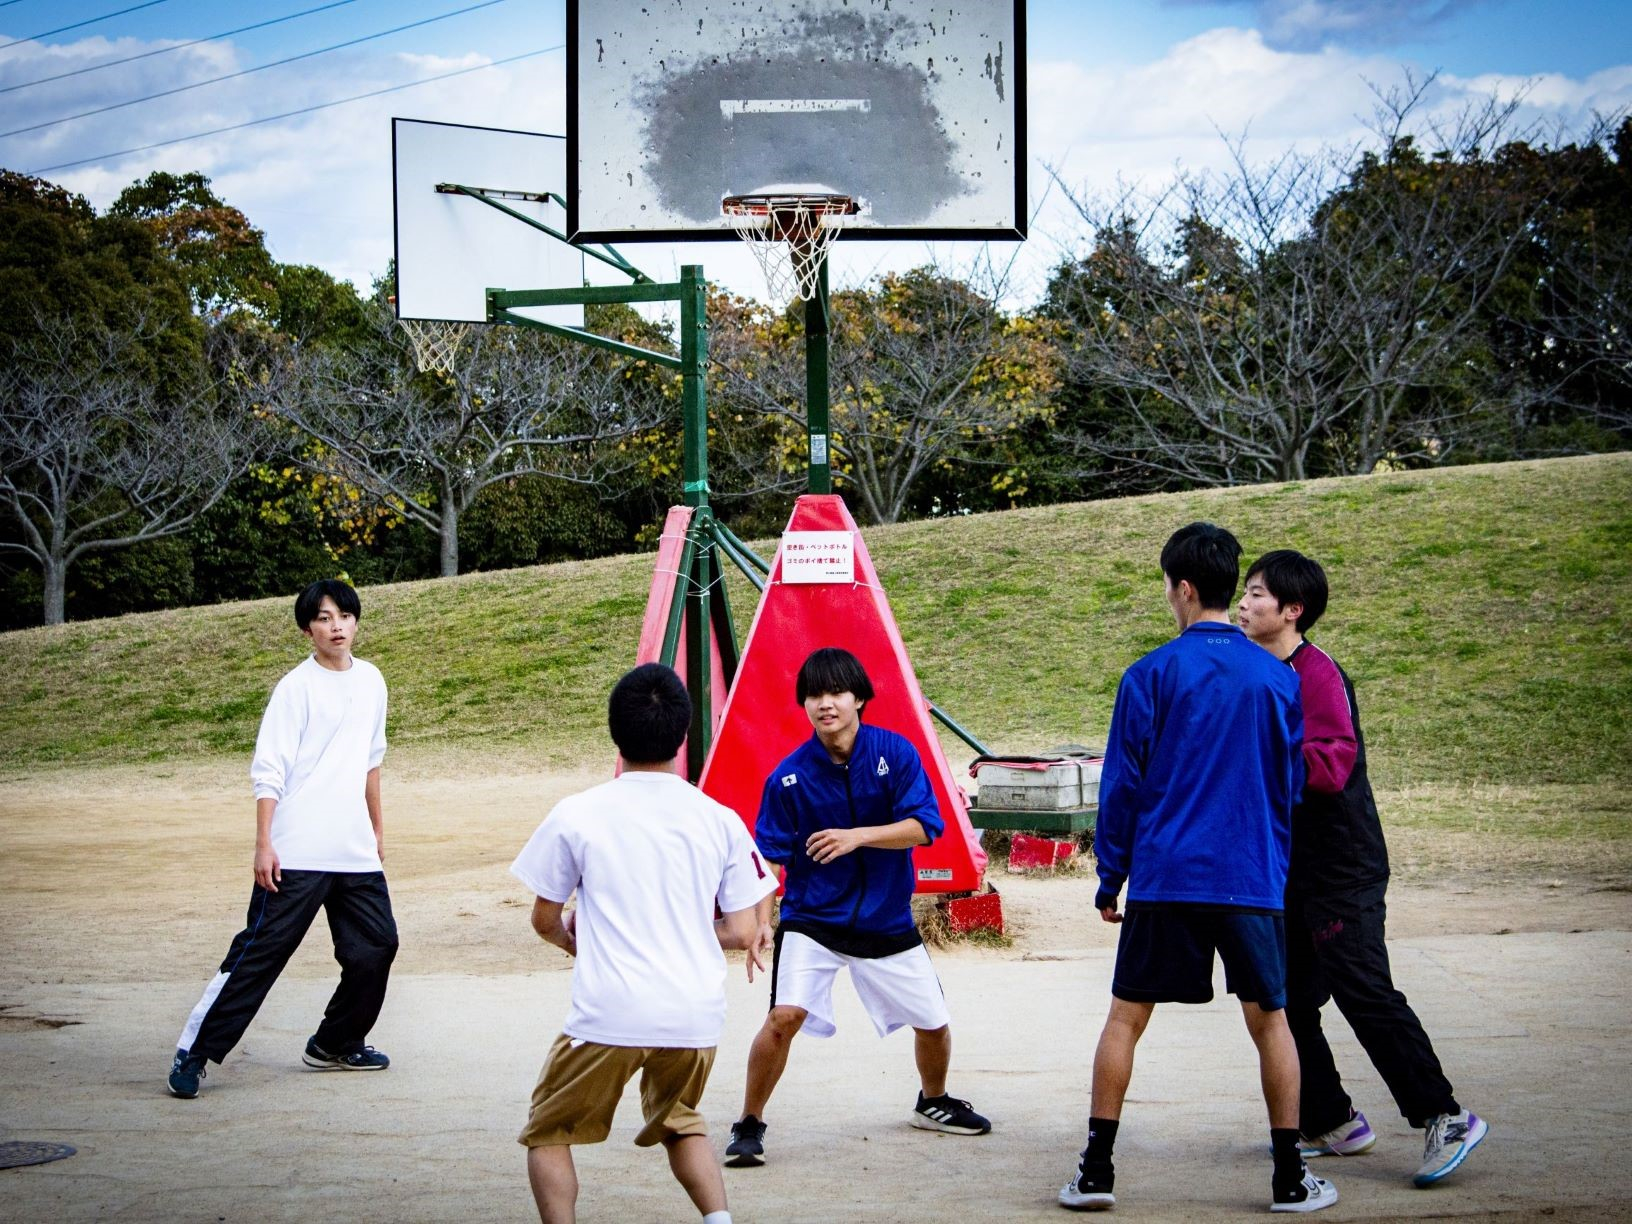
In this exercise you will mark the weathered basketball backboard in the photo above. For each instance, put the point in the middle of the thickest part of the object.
(450, 248)
(913, 107)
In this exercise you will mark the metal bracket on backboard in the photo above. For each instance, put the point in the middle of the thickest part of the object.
(493, 197)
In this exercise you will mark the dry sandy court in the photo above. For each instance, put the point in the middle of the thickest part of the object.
(120, 888)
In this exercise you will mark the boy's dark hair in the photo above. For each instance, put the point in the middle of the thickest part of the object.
(343, 594)
(648, 714)
(1206, 556)
(1292, 577)
(832, 670)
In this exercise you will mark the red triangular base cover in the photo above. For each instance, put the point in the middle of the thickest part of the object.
(762, 722)
(658, 602)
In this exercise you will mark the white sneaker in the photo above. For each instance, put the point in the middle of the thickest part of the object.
(1449, 1139)
(1316, 1193)
(1083, 1193)
(1350, 1139)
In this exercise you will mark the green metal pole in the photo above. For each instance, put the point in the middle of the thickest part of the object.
(697, 573)
(820, 478)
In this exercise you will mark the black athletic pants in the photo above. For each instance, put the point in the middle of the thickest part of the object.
(1335, 950)
(365, 943)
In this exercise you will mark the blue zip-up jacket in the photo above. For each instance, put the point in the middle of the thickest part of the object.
(870, 889)
(1203, 766)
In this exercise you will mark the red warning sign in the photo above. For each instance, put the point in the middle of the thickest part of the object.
(835, 600)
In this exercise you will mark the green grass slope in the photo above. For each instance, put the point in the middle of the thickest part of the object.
(1483, 613)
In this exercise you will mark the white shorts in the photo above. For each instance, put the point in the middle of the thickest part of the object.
(897, 990)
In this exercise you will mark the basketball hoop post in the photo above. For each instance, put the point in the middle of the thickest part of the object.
(819, 477)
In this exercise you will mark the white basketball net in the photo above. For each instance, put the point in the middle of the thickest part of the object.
(436, 342)
(789, 235)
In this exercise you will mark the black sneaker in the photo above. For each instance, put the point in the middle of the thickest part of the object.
(747, 1147)
(185, 1073)
(948, 1114)
(366, 1058)
(1090, 1189)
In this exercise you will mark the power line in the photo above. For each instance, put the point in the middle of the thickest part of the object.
(130, 59)
(305, 110)
(166, 93)
(88, 21)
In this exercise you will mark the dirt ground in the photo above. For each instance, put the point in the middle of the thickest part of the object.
(119, 890)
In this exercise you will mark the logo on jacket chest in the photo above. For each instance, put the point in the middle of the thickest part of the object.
(883, 767)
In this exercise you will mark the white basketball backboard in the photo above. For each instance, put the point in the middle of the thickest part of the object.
(913, 107)
(450, 248)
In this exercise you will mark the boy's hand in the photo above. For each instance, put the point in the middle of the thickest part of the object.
(760, 948)
(830, 844)
(268, 871)
(379, 846)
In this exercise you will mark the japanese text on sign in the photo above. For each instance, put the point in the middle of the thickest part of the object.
(818, 556)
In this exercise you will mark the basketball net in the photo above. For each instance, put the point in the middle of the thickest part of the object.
(789, 236)
(436, 342)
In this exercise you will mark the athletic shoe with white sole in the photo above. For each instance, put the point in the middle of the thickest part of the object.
(948, 1114)
(185, 1072)
(1450, 1137)
(747, 1147)
(1090, 1189)
(1311, 1194)
(367, 1058)
(1350, 1139)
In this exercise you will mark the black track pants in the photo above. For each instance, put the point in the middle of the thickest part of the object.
(1335, 950)
(365, 943)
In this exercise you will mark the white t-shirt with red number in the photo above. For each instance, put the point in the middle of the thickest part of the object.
(650, 856)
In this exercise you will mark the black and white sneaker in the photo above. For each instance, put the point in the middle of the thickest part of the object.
(366, 1058)
(1090, 1189)
(747, 1147)
(948, 1114)
(1311, 1194)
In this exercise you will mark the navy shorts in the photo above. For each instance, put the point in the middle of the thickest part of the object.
(1165, 955)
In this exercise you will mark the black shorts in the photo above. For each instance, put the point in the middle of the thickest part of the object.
(1165, 955)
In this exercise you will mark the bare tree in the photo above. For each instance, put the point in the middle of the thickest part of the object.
(514, 403)
(925, 370)
(94, 456)
(1329, 304)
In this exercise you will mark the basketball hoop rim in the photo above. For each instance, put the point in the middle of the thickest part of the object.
(778, 209)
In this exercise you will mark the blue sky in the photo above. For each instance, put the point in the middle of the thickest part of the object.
(1126, 91)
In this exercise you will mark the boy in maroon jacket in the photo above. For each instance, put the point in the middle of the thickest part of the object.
(1334, 898)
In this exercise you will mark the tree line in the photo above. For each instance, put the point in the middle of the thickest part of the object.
(183, 419)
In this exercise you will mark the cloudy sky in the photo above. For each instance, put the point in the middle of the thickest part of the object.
(97, 93)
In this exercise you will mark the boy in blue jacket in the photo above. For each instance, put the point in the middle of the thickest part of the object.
(842, 814)
(1201, 771)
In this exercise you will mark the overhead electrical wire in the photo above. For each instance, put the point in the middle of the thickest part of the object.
(305, 110)
(88, 21)
(167, 93)
(131, 59)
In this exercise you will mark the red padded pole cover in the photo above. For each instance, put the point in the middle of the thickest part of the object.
(762, 722)
(669, 547)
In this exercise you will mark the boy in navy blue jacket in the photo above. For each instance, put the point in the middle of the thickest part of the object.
(842, 814)
(1201, 771)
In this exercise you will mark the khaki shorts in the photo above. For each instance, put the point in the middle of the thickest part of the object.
(579, 1089)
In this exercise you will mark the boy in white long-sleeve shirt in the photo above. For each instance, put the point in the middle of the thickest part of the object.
(319, 844)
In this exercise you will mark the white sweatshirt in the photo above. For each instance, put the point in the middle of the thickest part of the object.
(322, 732)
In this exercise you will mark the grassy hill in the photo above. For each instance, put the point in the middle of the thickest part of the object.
(1482, 611)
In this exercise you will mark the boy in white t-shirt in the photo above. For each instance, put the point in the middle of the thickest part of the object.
(319, 838)
(650, 857)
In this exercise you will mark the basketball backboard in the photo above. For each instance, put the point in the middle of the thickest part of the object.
(913, 107)
(450, 248)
